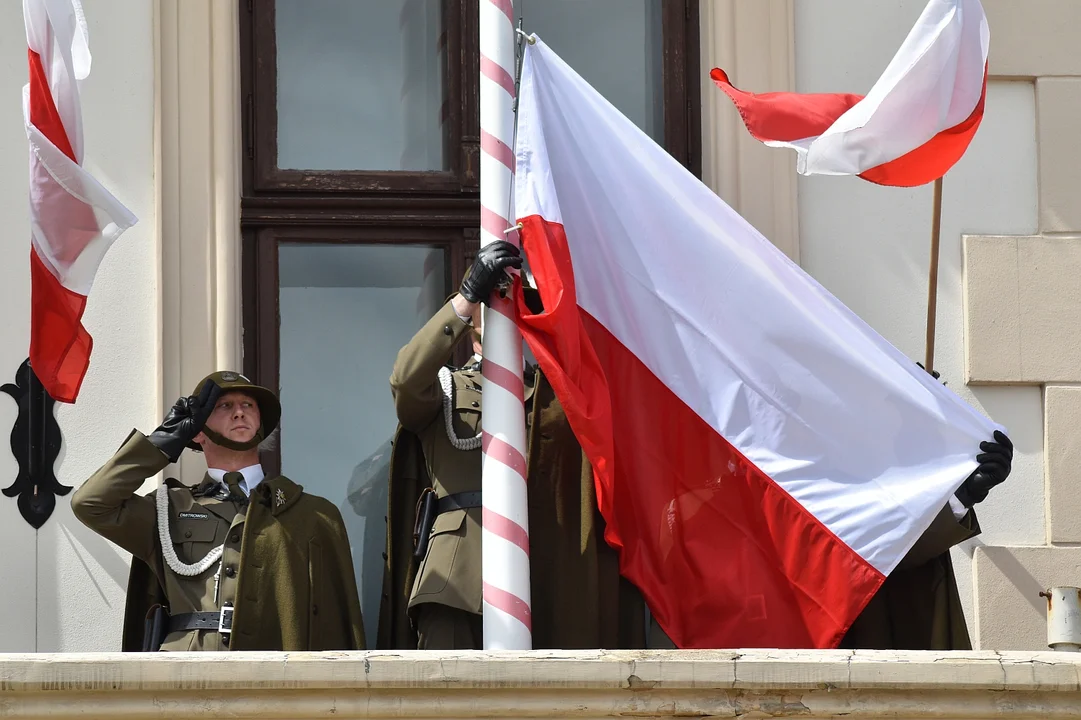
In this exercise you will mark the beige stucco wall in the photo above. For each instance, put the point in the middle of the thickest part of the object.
(62, 587)
(1023, 315)
(160, 112)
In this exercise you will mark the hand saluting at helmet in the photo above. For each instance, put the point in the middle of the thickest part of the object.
(184, 421)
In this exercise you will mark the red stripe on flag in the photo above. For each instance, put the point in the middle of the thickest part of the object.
(788, 117)
(510, 604)
(785, 116)
(497, 148)
(724, 557)
(68, 217)
(507, 529)
(934, 158)
(43, 112)
(60, 346)
(504, 378)
(491, 70)
(503, 452)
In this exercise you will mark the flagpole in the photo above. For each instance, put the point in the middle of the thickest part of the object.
(932, 281)
(505, 545)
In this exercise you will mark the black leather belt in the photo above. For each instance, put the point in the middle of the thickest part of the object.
(221, 621)
(428, 508)
(457, 501)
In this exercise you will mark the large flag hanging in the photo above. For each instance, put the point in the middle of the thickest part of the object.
(915, 123)
(73, 219)
(763, 458)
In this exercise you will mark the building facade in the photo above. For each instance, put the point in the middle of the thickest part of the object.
(305, 175)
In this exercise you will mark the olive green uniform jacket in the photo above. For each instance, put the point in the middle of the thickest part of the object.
(286, 564)
(579, 600)
(918, 607)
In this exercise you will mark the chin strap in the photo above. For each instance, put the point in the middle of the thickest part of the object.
(228, 444)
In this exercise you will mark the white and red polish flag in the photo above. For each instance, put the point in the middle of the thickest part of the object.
(73, 219)
(911, 128)
(763, 459)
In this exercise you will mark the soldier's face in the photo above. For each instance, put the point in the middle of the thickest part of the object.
(236, 417)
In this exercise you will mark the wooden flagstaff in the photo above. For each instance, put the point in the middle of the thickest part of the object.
(932, 280)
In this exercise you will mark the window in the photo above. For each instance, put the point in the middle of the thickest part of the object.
(616, 45)
(373, 94)
(360, 205)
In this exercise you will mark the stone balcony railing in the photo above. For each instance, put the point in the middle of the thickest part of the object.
(542, 684)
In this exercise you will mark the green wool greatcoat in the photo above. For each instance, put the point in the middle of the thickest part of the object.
(289, 570)
(918, 607)
(579, 599)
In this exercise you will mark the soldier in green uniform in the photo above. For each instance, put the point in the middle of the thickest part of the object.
(432, 588)
(918, 607)
(240, 562)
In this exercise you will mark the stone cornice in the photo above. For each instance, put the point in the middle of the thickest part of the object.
(578, 684)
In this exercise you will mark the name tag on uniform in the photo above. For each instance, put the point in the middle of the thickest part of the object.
(194, 515)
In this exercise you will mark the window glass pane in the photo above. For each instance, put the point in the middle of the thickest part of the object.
(346, 310)
(361, 84)
(616, 45)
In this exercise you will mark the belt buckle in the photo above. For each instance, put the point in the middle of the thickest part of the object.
(225, 620)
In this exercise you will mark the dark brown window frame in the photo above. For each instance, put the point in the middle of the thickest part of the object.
(364, 207)
(259, 85)
(261, 311)
(262, 121)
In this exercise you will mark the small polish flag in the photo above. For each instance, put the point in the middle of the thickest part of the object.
(911, 128)
(73, 219)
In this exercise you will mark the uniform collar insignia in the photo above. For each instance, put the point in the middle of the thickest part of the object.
(278, 494)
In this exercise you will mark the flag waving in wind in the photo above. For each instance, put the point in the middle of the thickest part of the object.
(763, 459)
(73, 219)
(915, 123)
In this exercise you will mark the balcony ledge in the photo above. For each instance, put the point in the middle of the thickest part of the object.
(543, 684)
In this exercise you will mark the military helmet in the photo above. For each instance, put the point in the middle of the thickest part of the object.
(270, 409)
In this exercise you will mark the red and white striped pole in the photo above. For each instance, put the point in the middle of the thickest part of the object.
(505, 569)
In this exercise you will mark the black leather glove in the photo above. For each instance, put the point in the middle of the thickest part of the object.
(995, 461)
(184, 421)
(489, 270)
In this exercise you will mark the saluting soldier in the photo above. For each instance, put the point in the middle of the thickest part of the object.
(239, 562)
(432, 588)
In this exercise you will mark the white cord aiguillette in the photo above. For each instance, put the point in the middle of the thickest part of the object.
(167, 549)
(446, 382)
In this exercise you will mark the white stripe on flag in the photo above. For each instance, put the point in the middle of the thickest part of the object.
(862, 438)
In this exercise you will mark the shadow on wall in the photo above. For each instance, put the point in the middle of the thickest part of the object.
(82, 581)
(1019, 577)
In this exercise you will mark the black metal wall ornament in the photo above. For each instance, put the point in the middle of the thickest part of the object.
(35, 442)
